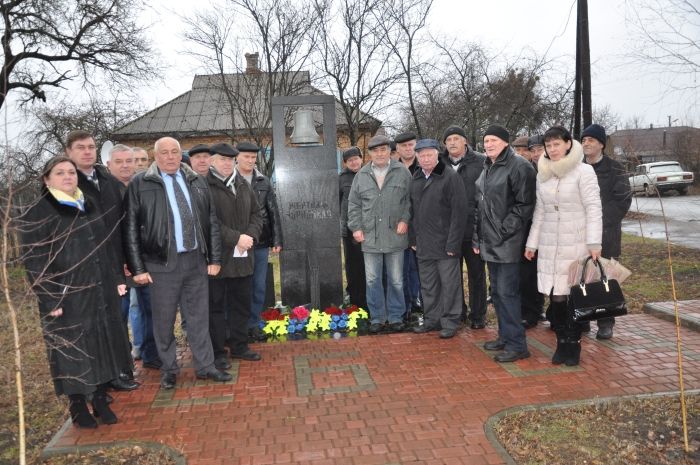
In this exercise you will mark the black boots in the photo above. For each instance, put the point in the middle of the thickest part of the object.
(568, 349)
(100, 407)
(79, 413)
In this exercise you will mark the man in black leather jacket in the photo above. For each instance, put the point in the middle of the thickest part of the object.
(173, 242)
(506, 200)
(271, 235)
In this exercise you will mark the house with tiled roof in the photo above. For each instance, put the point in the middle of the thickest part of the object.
(230, 108)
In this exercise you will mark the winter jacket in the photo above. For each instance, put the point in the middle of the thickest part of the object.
(438, 221)
(616, 198)
(69, 268)
(505, 193)
(238, 214)
(148, 235)
(377, 212)
(470, 167)
(567, 222)
(271, 234)
(344, 184)
(108, 199)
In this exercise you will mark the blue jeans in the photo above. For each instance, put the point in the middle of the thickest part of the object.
(383, 305)
(257, 297)
(505, 293)
(411, 279)
(135, 319)
(136, 308)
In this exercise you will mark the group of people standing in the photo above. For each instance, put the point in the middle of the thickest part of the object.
(100, 242)
(525, 217)
(184, 237)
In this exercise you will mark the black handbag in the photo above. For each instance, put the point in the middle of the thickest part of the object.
(597, 299)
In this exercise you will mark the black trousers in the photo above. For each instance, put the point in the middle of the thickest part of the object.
(531, 300)
(355, 271)
(476, 283)
(229, 311)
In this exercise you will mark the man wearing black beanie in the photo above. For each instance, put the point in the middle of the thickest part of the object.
(505, 193)
(615, 197)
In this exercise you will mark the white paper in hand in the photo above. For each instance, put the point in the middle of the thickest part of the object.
(238, 253)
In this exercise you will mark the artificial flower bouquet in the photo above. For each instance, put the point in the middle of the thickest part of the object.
(279, 322)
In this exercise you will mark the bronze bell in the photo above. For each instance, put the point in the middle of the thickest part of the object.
(304, 130)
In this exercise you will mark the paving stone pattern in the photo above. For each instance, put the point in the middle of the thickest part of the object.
(391, 399)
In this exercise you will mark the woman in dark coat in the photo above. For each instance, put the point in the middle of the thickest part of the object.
(75, 280)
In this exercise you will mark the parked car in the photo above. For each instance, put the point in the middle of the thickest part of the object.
(661, 176)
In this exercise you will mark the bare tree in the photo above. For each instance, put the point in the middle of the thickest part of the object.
(403, 21)
(49, 42)
(354, 60)
(283, 32)
(606, 117)
(667, 37)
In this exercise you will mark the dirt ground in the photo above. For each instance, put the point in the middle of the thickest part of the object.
(634, 432)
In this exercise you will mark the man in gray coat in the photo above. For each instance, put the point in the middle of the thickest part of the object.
(378, 215)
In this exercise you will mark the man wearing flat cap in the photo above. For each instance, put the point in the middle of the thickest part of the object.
(505, 203)
(229, 292)
(354, 259)
(406, 147)
(378, 215)
(520, 147)
(468, 164)
(270, 235)
(616, 197)
(200, 159)
(438, 203)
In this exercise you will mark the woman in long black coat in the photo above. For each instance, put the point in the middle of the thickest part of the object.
(75, 279)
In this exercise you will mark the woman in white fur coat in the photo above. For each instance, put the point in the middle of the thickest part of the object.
(567, 225)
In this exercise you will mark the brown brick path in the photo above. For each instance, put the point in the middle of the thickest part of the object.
(392, 399)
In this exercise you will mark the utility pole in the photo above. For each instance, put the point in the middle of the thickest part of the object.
(582, 90)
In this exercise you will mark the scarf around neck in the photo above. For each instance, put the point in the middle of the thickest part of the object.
(77, 200)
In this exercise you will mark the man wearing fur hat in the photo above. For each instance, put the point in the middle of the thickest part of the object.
(468, 164)
(354, 261)
(616, 199)
(505, 202)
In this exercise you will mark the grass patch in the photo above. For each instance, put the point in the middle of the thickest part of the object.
(651, 279)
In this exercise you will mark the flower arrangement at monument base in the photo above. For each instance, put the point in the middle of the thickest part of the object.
(302, 323)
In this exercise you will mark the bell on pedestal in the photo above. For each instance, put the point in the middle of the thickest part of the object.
(304, 130)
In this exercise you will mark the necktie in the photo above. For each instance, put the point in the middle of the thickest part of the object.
(93, 179)
(185, 215)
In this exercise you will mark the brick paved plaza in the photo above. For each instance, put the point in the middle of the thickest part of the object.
(389, 399)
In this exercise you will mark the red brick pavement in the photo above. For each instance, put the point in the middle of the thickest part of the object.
(388, 399)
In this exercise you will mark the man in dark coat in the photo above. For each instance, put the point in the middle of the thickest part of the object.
(104, 190)
(136, 304)
(532, 300)
(271, 234)
(354, 260)
(506, 201)
(406, 148)
(438, 203)
(229, 292)
(616, 197)
(173, 242)
(468, 164)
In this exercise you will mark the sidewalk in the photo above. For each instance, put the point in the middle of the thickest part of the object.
(390, 399)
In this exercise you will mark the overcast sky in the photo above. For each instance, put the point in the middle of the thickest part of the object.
(501, 25)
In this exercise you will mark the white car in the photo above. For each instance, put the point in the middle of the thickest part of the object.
(661, 176)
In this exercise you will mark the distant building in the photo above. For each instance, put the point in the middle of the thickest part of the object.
(230, 110)
(678, 143)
